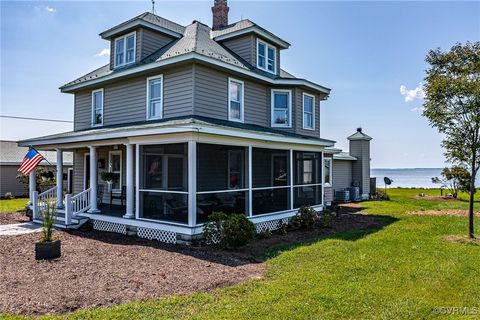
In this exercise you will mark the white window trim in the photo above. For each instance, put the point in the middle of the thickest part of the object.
(93, 107)
(272, 120)
(330, 183)
(230, 80)
(125, 49)
(161, 97)
(313, 111)
(110, 153)
(266, 57)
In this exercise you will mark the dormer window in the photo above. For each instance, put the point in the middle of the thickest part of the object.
(266, 56)
(125, 50)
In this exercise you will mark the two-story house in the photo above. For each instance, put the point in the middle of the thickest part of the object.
(191, 120)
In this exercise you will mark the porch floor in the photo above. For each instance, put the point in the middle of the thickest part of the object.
(112, 211)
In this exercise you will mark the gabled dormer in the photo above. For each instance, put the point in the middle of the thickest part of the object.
(137, 38)
(257, 46)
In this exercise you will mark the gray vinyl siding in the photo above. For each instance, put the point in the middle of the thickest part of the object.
(211, 97)
(125, 101)
(342, 174)
(82, 110)
(244, 47)
(177, 92)
(299, 114)
(9, 181)
(150, 41)
(361, 168)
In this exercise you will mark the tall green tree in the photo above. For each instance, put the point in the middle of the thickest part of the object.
(452, 105)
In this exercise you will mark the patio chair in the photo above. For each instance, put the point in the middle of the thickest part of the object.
(122, 196)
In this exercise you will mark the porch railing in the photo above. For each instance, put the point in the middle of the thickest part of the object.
(41, 200)
(76, 204)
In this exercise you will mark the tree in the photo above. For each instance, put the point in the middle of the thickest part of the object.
(452, 105)
(44, 178)
(455, 179)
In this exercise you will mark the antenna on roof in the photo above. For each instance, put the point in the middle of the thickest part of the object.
(153, 6)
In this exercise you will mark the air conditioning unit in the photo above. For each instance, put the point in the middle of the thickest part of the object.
(354, 193)
(342, 196)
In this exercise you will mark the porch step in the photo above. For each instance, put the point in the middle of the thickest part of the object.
(76, 222)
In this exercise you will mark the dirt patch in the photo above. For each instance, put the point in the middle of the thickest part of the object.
(435, 198)
(101, 269)
(13, 217)
(442, 213)
(463, 240)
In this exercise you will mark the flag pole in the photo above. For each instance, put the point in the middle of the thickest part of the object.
(31, 147)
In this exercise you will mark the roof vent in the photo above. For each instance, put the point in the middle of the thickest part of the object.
(359, 129)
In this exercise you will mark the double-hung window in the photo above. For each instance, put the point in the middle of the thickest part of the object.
(235, 100)
(97, 107)
(125, 50)
(281, 108)
(308, 111)
(266, 57)
(154, 97)
(327, 171)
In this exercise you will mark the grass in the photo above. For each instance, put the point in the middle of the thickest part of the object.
(13, 205)
(403, 270)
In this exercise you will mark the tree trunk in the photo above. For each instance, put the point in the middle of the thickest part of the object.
(471, 230)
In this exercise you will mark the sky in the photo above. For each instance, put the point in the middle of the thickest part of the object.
(371, 54)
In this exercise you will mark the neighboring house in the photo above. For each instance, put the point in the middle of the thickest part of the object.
(11, 156)
(193, 120)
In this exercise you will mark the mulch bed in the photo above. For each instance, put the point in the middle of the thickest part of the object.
(102, 269)
(435, 198)
(13, 217)
(449, 212)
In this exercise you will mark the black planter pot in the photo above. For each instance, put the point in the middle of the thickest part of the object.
(47, 250)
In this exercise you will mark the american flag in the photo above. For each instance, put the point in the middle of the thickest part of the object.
(30, 161)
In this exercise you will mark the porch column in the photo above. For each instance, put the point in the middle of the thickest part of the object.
(32, 185)
(130, 184)
(59, 178)
(192, 183)
(93, 180)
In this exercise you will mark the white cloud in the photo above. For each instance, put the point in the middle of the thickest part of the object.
(417, 109)
(103, 53)
(416, 93)
(50, 9)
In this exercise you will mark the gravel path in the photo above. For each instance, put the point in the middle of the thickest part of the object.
(19, 228)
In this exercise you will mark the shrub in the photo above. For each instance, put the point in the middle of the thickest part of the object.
(8, 195)
(48, 220)
(265, 234)
(306, 218)
(229, 230)
(282, 227)
(325, 220)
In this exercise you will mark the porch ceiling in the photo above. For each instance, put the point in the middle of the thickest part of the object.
(192, 124)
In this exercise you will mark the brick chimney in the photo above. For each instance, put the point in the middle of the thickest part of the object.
(220, 14)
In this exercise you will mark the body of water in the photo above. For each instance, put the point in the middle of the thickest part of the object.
(416, 177)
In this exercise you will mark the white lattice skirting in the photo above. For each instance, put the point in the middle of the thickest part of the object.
(269, 225)
(154, 234)
(109, 226)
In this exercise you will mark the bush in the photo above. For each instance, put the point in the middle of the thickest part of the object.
(282, 227)
(306, 218)
(229, 230)
(325, 220)
(265, 234)
(8, 195)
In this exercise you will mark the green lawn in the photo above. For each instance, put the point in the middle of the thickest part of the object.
(13, 205)
(403, 270)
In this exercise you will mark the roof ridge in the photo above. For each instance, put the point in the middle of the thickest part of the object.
(155, 15)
